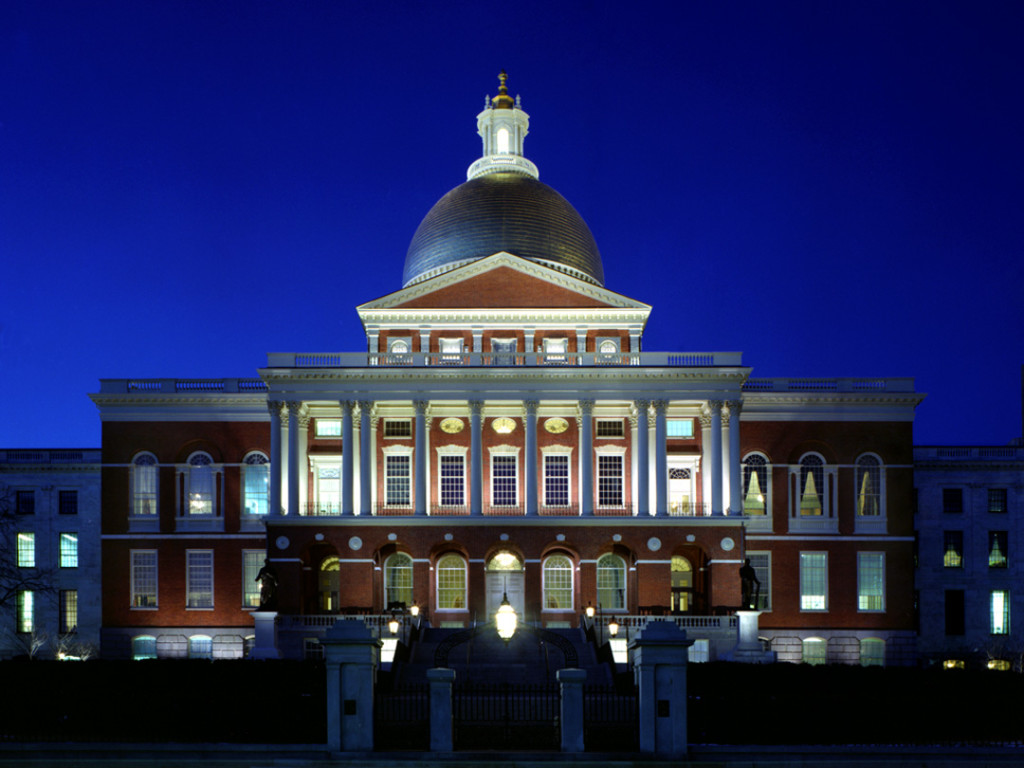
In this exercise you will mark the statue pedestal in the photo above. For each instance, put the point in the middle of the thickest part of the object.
(266, 635)
(748, 650)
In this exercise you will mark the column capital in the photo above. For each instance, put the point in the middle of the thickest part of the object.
(704, 417)
(659, 405)
(275, 407)
(586, 407)
(365, 406)
(422, 407)
(476, 407)
(304, 420)
(715, 405)
(530, 407)
(734, 406)
(642, 405)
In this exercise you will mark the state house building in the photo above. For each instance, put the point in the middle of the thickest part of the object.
(504, 432)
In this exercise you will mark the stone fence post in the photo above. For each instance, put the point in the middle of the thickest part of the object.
(570, 682)
(265, 646)
(659, 653)
(441, 681)
(351, 654)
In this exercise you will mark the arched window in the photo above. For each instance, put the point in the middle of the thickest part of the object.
(608, 347)
(682, 584)
(143, 647)
(145, 484)
(200, 647)
(869, 486)
(611, 583)
(557, 585)
(815, 650)
(451, 583)
(872, 652)
(399, 347)
(329, 584)
(255, 484)
(755, 485)
(398, 579)
(503, 141)
(812, 485)
(201, 489)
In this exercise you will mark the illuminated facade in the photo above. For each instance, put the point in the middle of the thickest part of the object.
(504, 433)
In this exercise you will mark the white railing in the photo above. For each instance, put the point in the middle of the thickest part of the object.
(503, 359)
(829, 385)
(177, 386)
(985, 452)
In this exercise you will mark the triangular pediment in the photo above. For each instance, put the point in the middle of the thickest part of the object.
(503, 281)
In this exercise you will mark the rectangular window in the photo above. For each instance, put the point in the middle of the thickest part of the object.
(144, 486)
(25, 502)
(870, 581)
(999, 612)
(504, 481)
(328, 428)
(199, 577)
(252, 561)
(556, 480)
(761, 562)
(397, 427)
(952, 549)
(998, 553)
(69, 550)
(67, 502)
(143, 578)
(996, 499)
(813, 581)
(68, 610)
(453, 481)
(25, 607)
(256, 488)
(26, 550)
(953, 500)
(609, 481)
(954, 611)
(397, 480)
(610, 428)
(679, 428)
(328, 488)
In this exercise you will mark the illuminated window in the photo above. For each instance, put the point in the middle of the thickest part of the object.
(869, 486)
(67, 502)
(608, 347)
(143, 647)
(398, 579)
(26, 550)
(69, 550)
(812, 485)
(200, 485)
(681, 578)
(997, 549)
(815, 651)
(679, 428)
(953, 500)
(68, 611)
(952, 549)
(611, 583)
(872, 652)
(557, 586)
(199, 578)
(330, 584)
(996, 499)
(451, 583)
(503, 141)
(327, 484)
(143, 578)
(451, 350)
(453, 480)
(399, 347)
(328, 428)
(999, 612)
(556, 479)
(999, 665)
(200, 647)
(755, 484)
(398, 480)
(813, 581)
(761, 562)
(556, 350)
(252, 561)
(609, 480)
(255, 484)
(25, 502)
(25, 608)
(870, 581)
(504, 480)
(145, 483)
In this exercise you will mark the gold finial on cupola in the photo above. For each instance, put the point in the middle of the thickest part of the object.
(502, 100)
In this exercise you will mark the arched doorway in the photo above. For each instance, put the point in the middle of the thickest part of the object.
(504, 576)
(329, 585)
(682, 585)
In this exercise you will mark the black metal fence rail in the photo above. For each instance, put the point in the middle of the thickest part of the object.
(610, 721)
(402, 718)
(504, 716)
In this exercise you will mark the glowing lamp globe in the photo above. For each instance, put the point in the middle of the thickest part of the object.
(506, 619)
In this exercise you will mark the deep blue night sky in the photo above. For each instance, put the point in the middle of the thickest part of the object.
(833, 188)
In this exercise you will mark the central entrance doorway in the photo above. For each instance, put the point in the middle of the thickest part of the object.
(504, 575)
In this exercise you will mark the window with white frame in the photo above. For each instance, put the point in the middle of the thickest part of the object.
(869, 486)
(68, 608)
(69, 550)
(145, 484)
(610, 480)
(679, 428)
(756, 498)
(200, 647)
(451, 583)
(999, 612)
(813, 581)
(143, 647)
(451, 350)
(398, 428)
(504, 351)
(557, 583)
(398, 479)
(26, 611)
(452, 473)
(252, 561)
(871, 581)
(556, 479)
(256, 484)
(556, 350)
(607, 347)
(761, 562)
(610, 428)
(328, 429)
(326, 483)
(201, 493)
(815, 650)
(199, 578)
(504, 479)
(143, 578)
(812, 486)
(26, 550)
(611, 582)
(398, 579)
(872, 652)
(399, 346)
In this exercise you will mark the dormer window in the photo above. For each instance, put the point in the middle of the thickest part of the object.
(555, 350)
(399, 347)
(451, 350)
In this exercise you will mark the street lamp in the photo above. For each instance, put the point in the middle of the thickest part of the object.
(613, 628)
(505, 619)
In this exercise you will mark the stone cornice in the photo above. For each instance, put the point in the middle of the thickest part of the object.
(613, 316)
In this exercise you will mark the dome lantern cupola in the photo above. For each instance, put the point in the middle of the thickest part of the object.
(503, 127)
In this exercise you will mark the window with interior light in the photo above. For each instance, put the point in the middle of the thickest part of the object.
(252, 561)
(611, 582)
(201, 487)
(26, 550)
(813, 581)
(25, 611)
(872, 652)
(143, 578)
(451, 583)
(679, 428)
(871, 581)
(557, 583)
(143, 647)
(869, 486)
(998, 549)
(398, 579)
(69, 550)
(997, 500)
(199, 578)
(145, 483)
(952, 549)
(503, 141)
(999, 612)
(68, 611)
(328, 428)
(756, 498)
(255, 484)
(814, 650)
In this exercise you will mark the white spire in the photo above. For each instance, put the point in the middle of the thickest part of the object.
(503, 127)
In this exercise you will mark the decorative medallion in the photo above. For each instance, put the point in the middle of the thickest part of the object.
(727, 544)
(448, 537)
(503, 425)
(319, 537)
(504, 537)
(690, 538)
(617, 537)
(355, 543)
(392, 537)
(452, 426)
(556, 426)
(654, 543)
(282, 542)
(560, 537)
